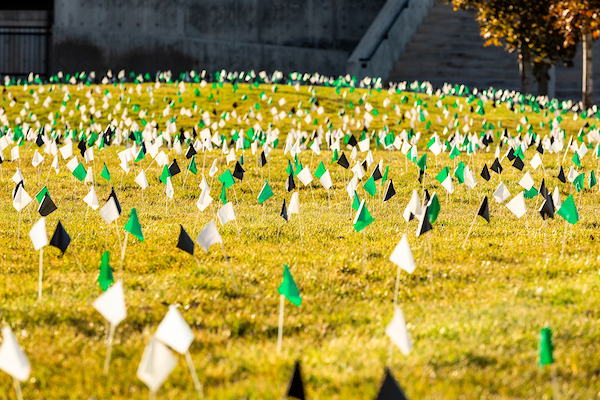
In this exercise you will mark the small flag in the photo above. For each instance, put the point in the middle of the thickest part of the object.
(105, 174)
(433, 206)
(105, 279)
(226, 214)
(343, 161)
(141, 180)
(165, 174)
(568, 210)
(111, 304)
(296, 387)
(445, 179)
(496, 167)
(561, 175)
(289, 183)
(501, 193)
(38, 234)
(402, 256)
(370, 186)
(227, 179)
(91, 200)
(184, 242)
(283, 212)
(398, 333)
(156, 364)
(174, 331)
(47, 206)
(265, 193)
(390, 192)
(79, 172)
(238, 171)
(546, 347)
(517, 205)
(60, 239)
(192, 164)
(288, 287)
(484, 210)
(390, 389)
(41, 194)
(13, 360)
(363, 218)
(424, 224)
(209, 236)
(109, 212)
(133, 225)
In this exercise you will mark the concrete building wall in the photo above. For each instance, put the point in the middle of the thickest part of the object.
(150, 35)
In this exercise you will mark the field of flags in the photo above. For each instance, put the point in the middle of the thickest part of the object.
(264, 236)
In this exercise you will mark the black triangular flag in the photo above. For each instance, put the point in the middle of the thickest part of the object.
(352, 141)
(39, 141)
(496, 167)
(191, 151)
(511, 154)
(421, 174)
(238, 171)
(283, 212)
(47, 206)
(547, 209)
(390, 390)
(540, 148)
(426, 198)
(61, 238)
(263, 159)
(296, 388)
(377, 173)
(185, 242)
(343, 161)
(82, 148)
(174, 168)
(518, 163)
(390, 192)
(114, 196)
(484, 210)
(485, 173)
(365, 166)
(289, 183)
(16, 189)
(424, 224)
(561, 175)
(543, 191)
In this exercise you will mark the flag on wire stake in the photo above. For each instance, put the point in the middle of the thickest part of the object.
(13, 360)
(61, 240)
(484, 212)
(210, 236)
(390, 390)
(111, 304)
(39, 238)
(287, 290)
(132, 226)
(296, 387)
(402, 256)
(156, 365)
(546, 356)
(568, 212)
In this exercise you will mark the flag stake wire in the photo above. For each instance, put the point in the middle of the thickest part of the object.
(41, 273)
(18, 388)
(564, 243)
(237, 289)
(280, 330)
(197, 384)
(111, 336)
(123, 254)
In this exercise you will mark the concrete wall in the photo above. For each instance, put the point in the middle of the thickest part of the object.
(150, 35)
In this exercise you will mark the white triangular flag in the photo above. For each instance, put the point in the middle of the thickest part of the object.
(294, 207)
(22, 199)
(556, 198)
(111, 304)
(225, 213)
(14, 153)
(37, 159)
(174, 331)
(169, 189)
(231, 157)
(18, 177)
(66, 151)
(535, 161)
(517, 205)
(398, 333)
(55, 164)
(315, 147)
(402, 256)
(38, 234)
(156, 365)
(91, 200)
(413, 207)
(89, 177)
(141, 180)
(109, 211)
(526, 181)
(501, 193)
(305, 176)
(326, 180)
(88, 155)
(13, 360)
(213, 169)
(72, 164)
(209, 236)
(204, 200)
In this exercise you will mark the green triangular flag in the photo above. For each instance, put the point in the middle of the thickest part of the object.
(370, 186)
(105, 279)
(79, 172)
(592, 180)
(355, 201)
(454, 153)
(335, 156)
(434, 208)
(363, 218)
(579, 181)
(133, 225)
(105, 174)
(192, 166)
(265, 193)
(459, 172)
(546, 347)
(40, 196)
(531, 193)
(288, 288)
(165, 174)
(422, 163)
(223, 194)
(568, 210)
(227, 179)
(385, 175)
(576, 160)
(140, 155)
(320, 170)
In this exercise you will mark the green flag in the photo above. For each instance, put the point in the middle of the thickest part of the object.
(454, 153)
(290, 169)
(288, 287)
(105, 279)
(576, 160)
(434, 208)
(140, 155)
(385, 175)
(192, 165)
(592, 180)
(320, 170)
(363, 218)
(227, 179)
(579, 181)
(531, 193)
(459, 172)
(165, 174)
(105, 174)
(370, 186)
(79, 172)
(568, 210)
(223, 194)
(422, 163)
(133, 226)
(265, 193)
(335, 157)
(355, 201)
(546, 347)
(40, 196)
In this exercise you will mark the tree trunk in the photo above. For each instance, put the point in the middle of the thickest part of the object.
(588, 72)
(525, 69)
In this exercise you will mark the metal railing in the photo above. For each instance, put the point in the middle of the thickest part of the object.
(24, 49)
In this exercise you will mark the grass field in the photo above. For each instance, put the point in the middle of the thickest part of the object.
(474, 317)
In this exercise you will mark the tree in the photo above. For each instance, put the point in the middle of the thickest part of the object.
(579, 21)
(527, 27)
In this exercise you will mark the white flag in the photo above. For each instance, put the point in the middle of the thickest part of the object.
(111, 304)
(364, 145)
(326, 180)
(141, 180)
(225, 213)
(315, 147)
(413, 207)
(402, 256)
(398, 333)
(204, 200)
(294, 207)
(526, 181)
(91, 200)
(13, 360)
(501, 193)
(174, 331)
(156, 365)
(305, 176)
(55, 164)
(18, 177)
(22, 199)
(517, 205)
(72, 164)
(89, 176)
(14, 153)
(230, 156)
(66, 151)
(109, 212)
(38, 234)
(535, 161)
(37, 159)
(169, 190)
(556, 198)
(213, 169)
(88, 155)
(209, 236)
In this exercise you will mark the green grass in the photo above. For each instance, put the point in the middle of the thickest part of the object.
(474, 315)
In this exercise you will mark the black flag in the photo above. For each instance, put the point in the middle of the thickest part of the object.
(496, 167)
(518, 163)
(352, 141)
(47, 206)
(540, 148)
(547, 209)
(561, 175)
(484, 210)
(185, 242)
(174, 168)
(82, 148)
(390, 390)
(424, 224)
(485, 173)
(284, 213)
(114, 196)
(343, 161)
(390, 192)
(61, 239)
(421, 174)
(377, 174)
(238, 171)
(263, 159)
(39, 141)
(511, 154)
(191, 151)
(543, 191)
(296, 387)
(289, 183)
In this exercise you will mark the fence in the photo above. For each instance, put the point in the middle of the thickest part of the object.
(24, 49)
